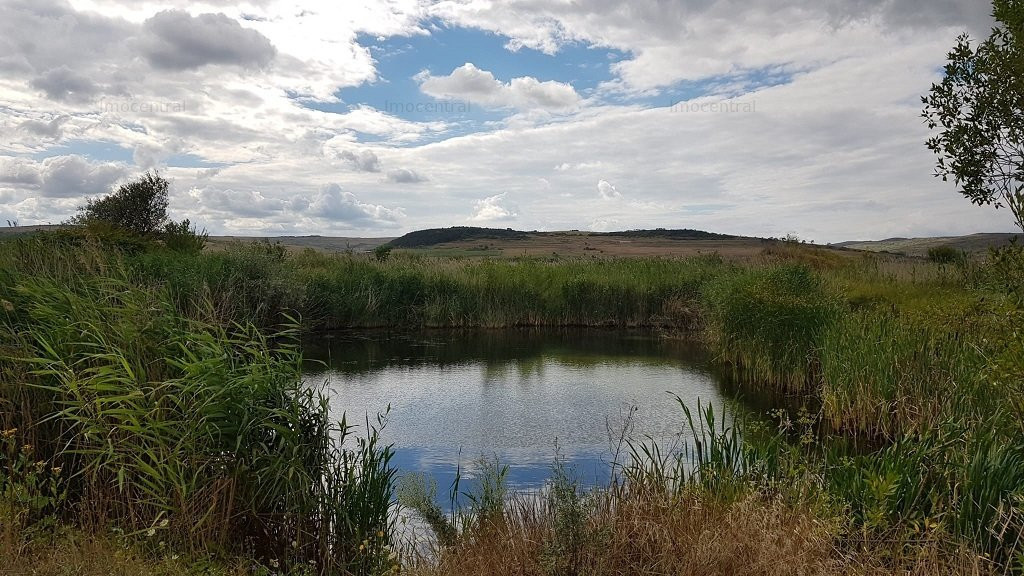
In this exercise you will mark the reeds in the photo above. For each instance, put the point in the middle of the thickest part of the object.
(181, 432)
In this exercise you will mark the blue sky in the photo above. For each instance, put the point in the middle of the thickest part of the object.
(377, 117)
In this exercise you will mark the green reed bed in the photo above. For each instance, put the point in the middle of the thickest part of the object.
(119, 412)
(345, 291)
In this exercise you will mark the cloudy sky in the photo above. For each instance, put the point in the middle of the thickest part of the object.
(374, 118)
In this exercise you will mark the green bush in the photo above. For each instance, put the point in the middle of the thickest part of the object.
(945, 255)
(183, 237)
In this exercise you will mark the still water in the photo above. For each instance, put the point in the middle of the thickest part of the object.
(526, 397)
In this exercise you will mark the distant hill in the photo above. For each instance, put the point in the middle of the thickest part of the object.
(324, 243)
(683, 234)
(974, 244)
(19, 230)
(434, 236)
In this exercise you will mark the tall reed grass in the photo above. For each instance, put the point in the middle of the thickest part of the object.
(181, 432)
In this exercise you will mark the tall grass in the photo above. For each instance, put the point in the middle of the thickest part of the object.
(722, 506)
(346, 291)
(182, 432)
(769, 322)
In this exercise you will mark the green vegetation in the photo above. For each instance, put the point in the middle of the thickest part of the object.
(158, 388)
(421, 238)
(945, 255)
(119, 411)
(979, 108)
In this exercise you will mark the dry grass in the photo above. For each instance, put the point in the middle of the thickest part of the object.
(659, 535)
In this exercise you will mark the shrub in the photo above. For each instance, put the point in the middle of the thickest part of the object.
(139, 206)
(183, 237)
(945, 255)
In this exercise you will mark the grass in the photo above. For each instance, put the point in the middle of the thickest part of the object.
(158, 392)
(120, 412)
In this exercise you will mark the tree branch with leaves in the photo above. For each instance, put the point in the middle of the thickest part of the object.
(978, 109)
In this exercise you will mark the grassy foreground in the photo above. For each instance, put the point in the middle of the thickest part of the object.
(150, 403)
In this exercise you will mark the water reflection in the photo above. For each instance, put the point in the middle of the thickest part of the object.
(523, 396)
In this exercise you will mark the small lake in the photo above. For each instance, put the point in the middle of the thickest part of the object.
(526, 397)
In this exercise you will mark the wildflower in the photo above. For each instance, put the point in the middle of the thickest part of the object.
(26, 449)
(150, 533)
(362, 547)
(164, 523)
(8, 306)
(9, 433)
(56, 470)
(274, 563)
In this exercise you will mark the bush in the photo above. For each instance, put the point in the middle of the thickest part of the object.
(139, 207)
(182, 237)
(945, 255)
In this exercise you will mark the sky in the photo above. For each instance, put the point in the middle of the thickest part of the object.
(379, 117)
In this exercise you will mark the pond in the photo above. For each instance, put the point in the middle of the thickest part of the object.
(525, 397)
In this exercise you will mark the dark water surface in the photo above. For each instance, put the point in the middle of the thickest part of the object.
(526, 397)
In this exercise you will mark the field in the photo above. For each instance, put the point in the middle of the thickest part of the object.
(972, 244)
(584, 245)
(151, 404)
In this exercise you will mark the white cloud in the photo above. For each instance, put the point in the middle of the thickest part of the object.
(607, 191)
(342, 207)
(364, 160)
(834, 150)
(477, 86)
(493, 209)
(60, 176)
(405, 176)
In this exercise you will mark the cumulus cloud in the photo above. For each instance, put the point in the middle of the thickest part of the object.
(493, 209)
(69, 176)
(342, 207)
(405, 176)
(694, 39)
(607, 191)
(176, 40)
(64, 85)
(363, 161)
(833, 151)
(240, 203)
(52, 129)
(470, 83)
(19, 172)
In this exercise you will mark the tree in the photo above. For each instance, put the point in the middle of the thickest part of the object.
(978, 108)
(139, 206)
(382, 252)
